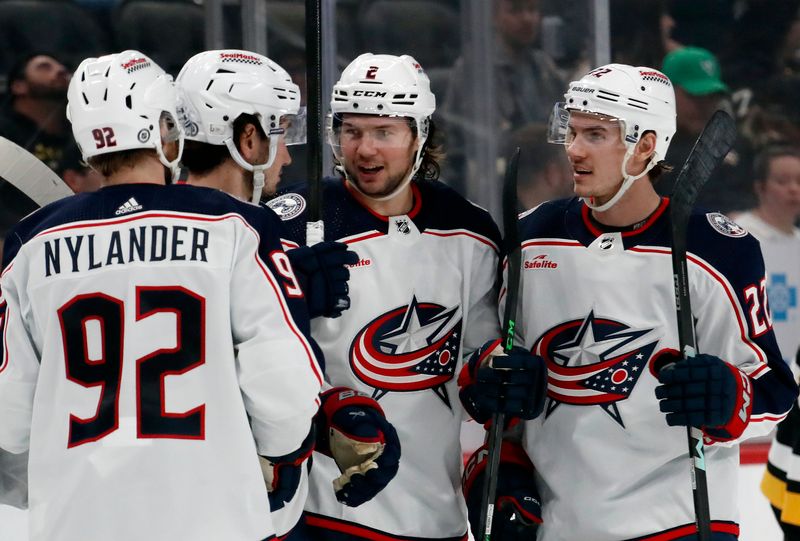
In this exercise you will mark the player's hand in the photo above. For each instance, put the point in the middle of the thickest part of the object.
(353, 430)
(324, 276)
(518, 511)
(705, 392)
(282, 474)
(493, 382)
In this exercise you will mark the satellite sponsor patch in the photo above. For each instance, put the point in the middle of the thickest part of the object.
(287, 206)
(725, 225)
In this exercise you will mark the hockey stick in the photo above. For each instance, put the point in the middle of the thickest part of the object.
(315, 228)
(708, 152)
(514, 252)
(25, 184)
(29, 175)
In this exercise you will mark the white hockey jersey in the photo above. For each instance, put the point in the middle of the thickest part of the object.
(154, 341)
(423, 296)
(599, 307)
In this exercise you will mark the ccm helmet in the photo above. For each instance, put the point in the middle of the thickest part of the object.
(641, 99)
(385, 85)
(121, 102)
(216, 87)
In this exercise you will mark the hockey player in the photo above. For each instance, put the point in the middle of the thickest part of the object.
(153, 338)
(423, 295)
(240, 110)
(596, 304)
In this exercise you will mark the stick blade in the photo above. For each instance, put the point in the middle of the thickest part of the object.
(709, 150)
(30, 176)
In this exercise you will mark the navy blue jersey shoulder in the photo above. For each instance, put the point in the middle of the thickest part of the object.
(441, 208)
(719, 241)
(342, 214)
(126, 200)
(548, 220)
(444, 208)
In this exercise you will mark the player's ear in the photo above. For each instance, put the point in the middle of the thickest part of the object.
(248, 142)
(646, 146)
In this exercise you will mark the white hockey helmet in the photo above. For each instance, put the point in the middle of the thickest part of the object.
(385, 85)
(642, 99)
(121, 102)
(216, 87)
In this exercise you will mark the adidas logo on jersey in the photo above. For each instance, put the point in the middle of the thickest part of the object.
(128, 206)
(540, 262)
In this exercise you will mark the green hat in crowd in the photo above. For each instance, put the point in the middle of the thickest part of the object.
(695, 70)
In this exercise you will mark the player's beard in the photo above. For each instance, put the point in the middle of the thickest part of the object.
(389, 186)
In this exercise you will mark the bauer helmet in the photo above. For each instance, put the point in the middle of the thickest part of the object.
(216, 87)
(641, 99)
(121, 102)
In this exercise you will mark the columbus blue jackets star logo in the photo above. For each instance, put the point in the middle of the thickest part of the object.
(409, 348)
(593, 362)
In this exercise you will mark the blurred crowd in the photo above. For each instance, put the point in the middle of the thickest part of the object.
(742, 56)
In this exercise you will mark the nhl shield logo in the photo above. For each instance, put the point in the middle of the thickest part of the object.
(402, 226)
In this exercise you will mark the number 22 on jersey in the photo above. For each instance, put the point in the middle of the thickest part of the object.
(108, 314)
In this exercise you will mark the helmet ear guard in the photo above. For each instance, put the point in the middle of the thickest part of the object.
(123, 101)
(383, 85)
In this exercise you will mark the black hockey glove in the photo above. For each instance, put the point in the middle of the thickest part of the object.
(493, 382)
(282, 473)
(353, 430)
(518, 511)
(323, 276)
(705, 392)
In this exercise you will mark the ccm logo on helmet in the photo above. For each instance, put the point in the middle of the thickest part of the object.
(369, 93)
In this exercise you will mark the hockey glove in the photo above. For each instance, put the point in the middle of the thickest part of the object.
(706, 392)
(518, 511)
(493, 382)
(353, 430)
(323, 276)
(282, 474)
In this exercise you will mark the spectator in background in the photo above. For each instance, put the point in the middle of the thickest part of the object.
(634, 24)
(699, 91)
(526, 80)
(773, 117)
(772, 222)
(544, 171)
(777, 189)
(34, 117)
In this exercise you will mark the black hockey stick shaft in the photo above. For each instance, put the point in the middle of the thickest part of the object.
(512, 248)
(708, 152)
(314, 110)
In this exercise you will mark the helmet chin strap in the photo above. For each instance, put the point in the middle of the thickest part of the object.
(627, 182)
(173, 166)
(259, 178)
